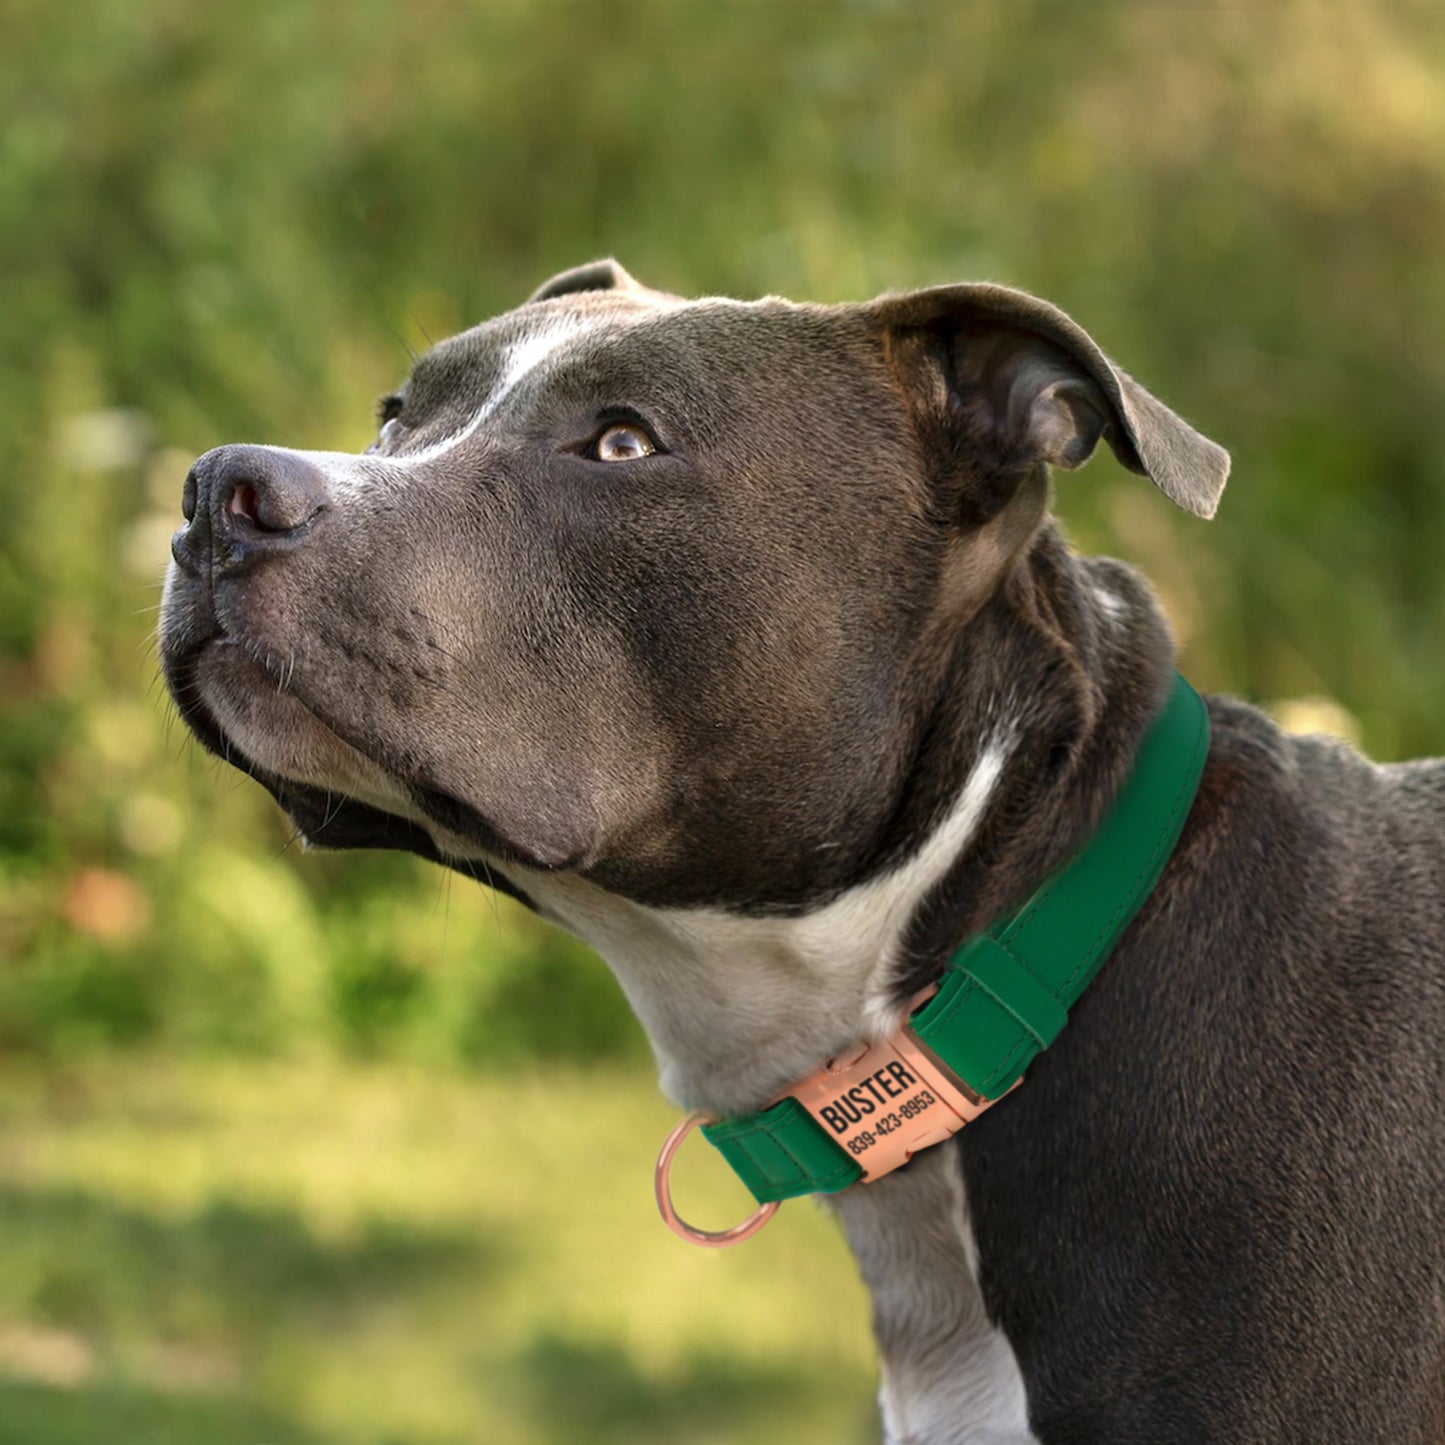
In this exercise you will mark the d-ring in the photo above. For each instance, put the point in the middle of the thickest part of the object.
(708, 1238)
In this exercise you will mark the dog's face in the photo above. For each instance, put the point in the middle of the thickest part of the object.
(651, 590)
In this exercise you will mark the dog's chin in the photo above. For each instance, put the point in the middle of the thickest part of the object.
(271, 727)
(336, 795)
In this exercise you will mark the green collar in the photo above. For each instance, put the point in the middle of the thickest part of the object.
(1006, 993)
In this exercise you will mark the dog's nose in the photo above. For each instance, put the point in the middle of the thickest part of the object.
(243, 502)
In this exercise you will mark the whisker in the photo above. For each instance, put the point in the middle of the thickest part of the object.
(415, 322)
(332, 810)
(404, 343)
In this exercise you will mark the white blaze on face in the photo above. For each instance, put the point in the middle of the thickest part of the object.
(522, 358)
(350, 477)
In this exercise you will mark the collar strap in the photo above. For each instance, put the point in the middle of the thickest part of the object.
(1003, 998)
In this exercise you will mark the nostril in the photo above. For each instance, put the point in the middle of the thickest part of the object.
(245, 503)
(188, 497)
(256, 498)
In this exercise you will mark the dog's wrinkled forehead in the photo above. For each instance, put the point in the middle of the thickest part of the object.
(1025, 380)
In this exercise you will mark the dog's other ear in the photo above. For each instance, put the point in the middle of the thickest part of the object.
(594, 276)
(1012, 381)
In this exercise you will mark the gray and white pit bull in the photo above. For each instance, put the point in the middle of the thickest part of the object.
(736, 637)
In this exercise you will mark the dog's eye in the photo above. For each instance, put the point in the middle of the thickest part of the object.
(624, 441)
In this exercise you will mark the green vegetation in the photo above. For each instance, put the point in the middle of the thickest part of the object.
(257, 1183)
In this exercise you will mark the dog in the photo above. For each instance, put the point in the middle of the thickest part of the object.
(738, 639)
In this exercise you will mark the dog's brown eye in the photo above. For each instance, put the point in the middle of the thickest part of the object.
(624, 442)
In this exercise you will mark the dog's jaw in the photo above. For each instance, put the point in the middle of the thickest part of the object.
(270, 725)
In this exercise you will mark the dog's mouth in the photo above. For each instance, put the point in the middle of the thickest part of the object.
(239, 706)
(244, 707)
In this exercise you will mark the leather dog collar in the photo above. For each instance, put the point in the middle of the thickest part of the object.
(1003, 998)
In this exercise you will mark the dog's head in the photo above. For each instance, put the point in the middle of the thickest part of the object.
(659, 591)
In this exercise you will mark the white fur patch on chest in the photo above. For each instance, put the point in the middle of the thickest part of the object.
(737, 1007)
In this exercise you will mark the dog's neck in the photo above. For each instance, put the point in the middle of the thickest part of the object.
(1031, 740)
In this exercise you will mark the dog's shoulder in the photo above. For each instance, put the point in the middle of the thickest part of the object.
(1331, 777)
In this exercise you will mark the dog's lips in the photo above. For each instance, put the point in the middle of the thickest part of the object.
(320, 816)
(180, 675)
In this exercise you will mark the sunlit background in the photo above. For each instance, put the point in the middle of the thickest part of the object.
(299, 1149)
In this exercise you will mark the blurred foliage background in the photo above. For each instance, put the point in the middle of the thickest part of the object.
(287, 1151)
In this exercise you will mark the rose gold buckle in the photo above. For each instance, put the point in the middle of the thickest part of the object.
(882, 1103)
(708, 1238)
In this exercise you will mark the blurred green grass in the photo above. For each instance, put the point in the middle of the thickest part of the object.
(261, 1172)
(319, 1252)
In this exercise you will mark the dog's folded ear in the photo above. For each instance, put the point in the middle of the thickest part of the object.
(604, 275)
(1014, 381)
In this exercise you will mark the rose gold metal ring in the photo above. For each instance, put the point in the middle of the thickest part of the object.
(708, 1238)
